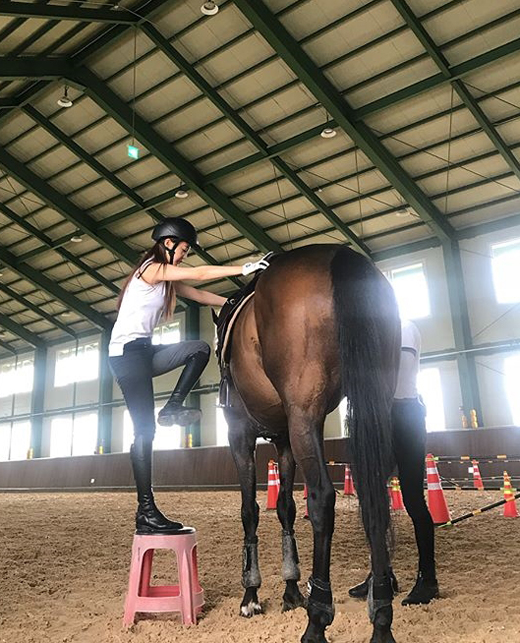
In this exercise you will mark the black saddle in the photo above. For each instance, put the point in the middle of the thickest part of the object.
(222, 322)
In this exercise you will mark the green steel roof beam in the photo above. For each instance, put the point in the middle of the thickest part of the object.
(302, 65)
(54, 245)
(254, 138)
(104, 172)
(349, 200)
(305, 135)
(66, 298)
(167, 154)
(269, 59)
(108, 37)
(469, 101)
(320, 205)
(458, 71)
(25, 68)
(20, 331)
(7, 347)
(22, 299)
(66, 208)
(161, 198)
(61, 12)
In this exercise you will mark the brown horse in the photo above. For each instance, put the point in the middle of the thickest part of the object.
(323, 324)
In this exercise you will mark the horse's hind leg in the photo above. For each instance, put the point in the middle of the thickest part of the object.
(242, 441)
(380, 592)
(286, 510)
(306, 433)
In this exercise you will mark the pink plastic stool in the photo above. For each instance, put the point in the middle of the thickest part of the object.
(187, 597)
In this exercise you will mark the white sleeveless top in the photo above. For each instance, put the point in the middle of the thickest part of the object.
(140, 311)
(409, 362)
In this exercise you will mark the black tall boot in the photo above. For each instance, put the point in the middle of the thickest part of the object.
(425, 589)
(173, 412)
(148, 519)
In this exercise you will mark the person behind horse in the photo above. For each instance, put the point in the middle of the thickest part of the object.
(409, 442)
(149, 294)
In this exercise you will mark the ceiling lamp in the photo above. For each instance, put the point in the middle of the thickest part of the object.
(328, 132)
(66, 313)
(209, 8)
(65, 101)
(181, 194)
(76, 239)
(405, 211)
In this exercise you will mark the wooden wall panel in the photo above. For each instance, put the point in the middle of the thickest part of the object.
(214, 466)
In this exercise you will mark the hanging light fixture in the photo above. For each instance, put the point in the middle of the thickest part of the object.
(65, 101)
(181, 194)
(328, 132)
(76, 238)
(209, 8)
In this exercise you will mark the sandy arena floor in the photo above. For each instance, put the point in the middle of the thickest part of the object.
(65, 557)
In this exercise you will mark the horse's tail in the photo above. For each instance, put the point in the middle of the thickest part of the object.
(368, 328)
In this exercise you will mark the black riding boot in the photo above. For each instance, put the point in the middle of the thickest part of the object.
(173, 412)
(424, 590)
(148, 519)
(361, 590)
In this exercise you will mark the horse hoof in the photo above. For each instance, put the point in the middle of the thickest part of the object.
(382, 637)
(250, 609)
(316, 638)
(293, 602)
(314, 634)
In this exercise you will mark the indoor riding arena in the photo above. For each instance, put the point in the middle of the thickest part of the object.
(338, 181)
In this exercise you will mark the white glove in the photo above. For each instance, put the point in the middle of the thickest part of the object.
(251, 267)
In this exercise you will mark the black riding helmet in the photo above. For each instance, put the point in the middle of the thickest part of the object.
(176, 228)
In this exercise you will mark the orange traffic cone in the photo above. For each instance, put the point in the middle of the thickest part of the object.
(273, 485)
(510, 510)
(436, 500)
(396, 495)
(277, 474)
(477, 478)
(348, 489)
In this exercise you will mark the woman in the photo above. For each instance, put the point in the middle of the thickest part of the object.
(409, 438)
(149, 294)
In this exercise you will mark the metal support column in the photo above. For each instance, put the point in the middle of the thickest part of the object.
(461, 329)
(193, 332)
(38, 400)
(106, 385)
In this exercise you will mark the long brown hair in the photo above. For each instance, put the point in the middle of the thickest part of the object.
(158, 254)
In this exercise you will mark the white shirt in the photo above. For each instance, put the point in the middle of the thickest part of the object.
(140, 311)
(409, 362)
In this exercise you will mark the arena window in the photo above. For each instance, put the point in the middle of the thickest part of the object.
(167, 334)
(166, 437)
(77, 364)
(16, 377)
(15, 440)
(73, 435)
(222, 430)
(512, 375)
(430, 387)
(505, 266)
(411, 290)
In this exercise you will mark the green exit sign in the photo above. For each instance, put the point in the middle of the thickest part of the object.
(133, 152)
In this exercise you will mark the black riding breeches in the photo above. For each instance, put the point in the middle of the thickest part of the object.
(134, 370)
(409, 440)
